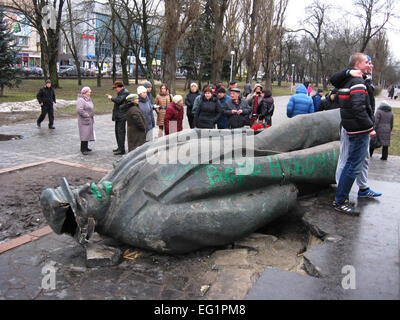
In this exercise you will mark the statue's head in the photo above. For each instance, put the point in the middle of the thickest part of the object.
(75, 211)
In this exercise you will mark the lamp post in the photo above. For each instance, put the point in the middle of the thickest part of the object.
(291, 88)
(232, 54)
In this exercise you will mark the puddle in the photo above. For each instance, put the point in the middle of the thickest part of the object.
(6, 137)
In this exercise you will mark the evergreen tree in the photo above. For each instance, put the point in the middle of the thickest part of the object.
(197, 47)
(8, 56)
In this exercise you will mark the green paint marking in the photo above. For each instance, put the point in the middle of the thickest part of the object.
(275, 166)
(108, 186)
(213, 172)
(95, 191)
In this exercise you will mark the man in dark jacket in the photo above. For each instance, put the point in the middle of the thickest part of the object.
(357, 120)
(237, 110)
(330, 101)
(119, 116)
(339, 79)
(189, 102)
(47, 99)
(223, 98)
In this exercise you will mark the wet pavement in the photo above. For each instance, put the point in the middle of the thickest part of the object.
(318, 253)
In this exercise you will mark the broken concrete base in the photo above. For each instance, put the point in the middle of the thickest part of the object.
(98, 255)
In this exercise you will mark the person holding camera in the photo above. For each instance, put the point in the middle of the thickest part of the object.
(254, 100)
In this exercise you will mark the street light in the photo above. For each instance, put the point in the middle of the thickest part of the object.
(232, 54)
(291, 88)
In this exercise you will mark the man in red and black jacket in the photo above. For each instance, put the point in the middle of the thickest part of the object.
(357, 119)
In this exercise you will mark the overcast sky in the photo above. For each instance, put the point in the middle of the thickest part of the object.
(296, 13)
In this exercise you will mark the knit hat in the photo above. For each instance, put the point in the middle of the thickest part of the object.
(235, 90)
(258, 85)
(141, 89)
(85, 90)
(177, 98)
(221, 90)
(194, 84)
(132, 96)
(148, 84)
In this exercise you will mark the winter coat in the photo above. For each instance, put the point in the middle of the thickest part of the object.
(46, 96)
(136, 130)
(396, 92)
(85, 111)
(327, 103)
(299, 103)
(223, 121)
(266, 109)
(163, 101)
(189, 101)
(147, 111)
(119, 100)
(207, 113)
(173, 114)
(355, 107)
(246, 89)
(384, 124)
(339, 81)
(196, 103)
(316, 101)
(237, 120)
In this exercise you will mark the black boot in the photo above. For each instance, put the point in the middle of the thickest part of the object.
(84, 145)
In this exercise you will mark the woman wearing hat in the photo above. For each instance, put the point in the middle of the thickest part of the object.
(85, 111)
(162, 101)
(189, 102)
(383, 126)
(136, 131)
(174, 116)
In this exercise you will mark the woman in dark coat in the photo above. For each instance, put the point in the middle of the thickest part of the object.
(84, 109)
(208, 112)
(136, 122)
(266, 107)
(383, 126)
(189, 102)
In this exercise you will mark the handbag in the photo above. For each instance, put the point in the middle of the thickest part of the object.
(375, 143)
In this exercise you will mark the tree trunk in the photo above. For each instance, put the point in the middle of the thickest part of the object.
(219, 47)
(2, 90)
(169, 73)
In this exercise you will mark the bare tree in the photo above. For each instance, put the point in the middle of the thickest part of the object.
(374, 15)
(273, 31)
(218, 8)
(37, 14)
(178, 16)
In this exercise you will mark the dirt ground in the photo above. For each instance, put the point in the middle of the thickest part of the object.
(20, 211)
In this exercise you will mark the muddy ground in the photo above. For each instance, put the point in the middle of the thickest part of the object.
(20, 211)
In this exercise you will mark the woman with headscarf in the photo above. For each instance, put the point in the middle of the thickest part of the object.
(85, 111)
(136, 132)
(162, 101)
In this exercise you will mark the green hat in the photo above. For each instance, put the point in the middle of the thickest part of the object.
(132, 96)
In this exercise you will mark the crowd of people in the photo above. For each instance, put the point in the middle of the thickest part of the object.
(215, 107)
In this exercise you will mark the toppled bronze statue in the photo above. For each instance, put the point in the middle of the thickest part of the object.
(160, 197)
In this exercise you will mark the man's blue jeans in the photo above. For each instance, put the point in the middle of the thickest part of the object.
(358, 148)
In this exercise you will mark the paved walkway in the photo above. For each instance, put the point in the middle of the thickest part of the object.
(369, 243)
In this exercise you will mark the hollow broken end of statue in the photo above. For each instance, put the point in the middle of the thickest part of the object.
(200, 188)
